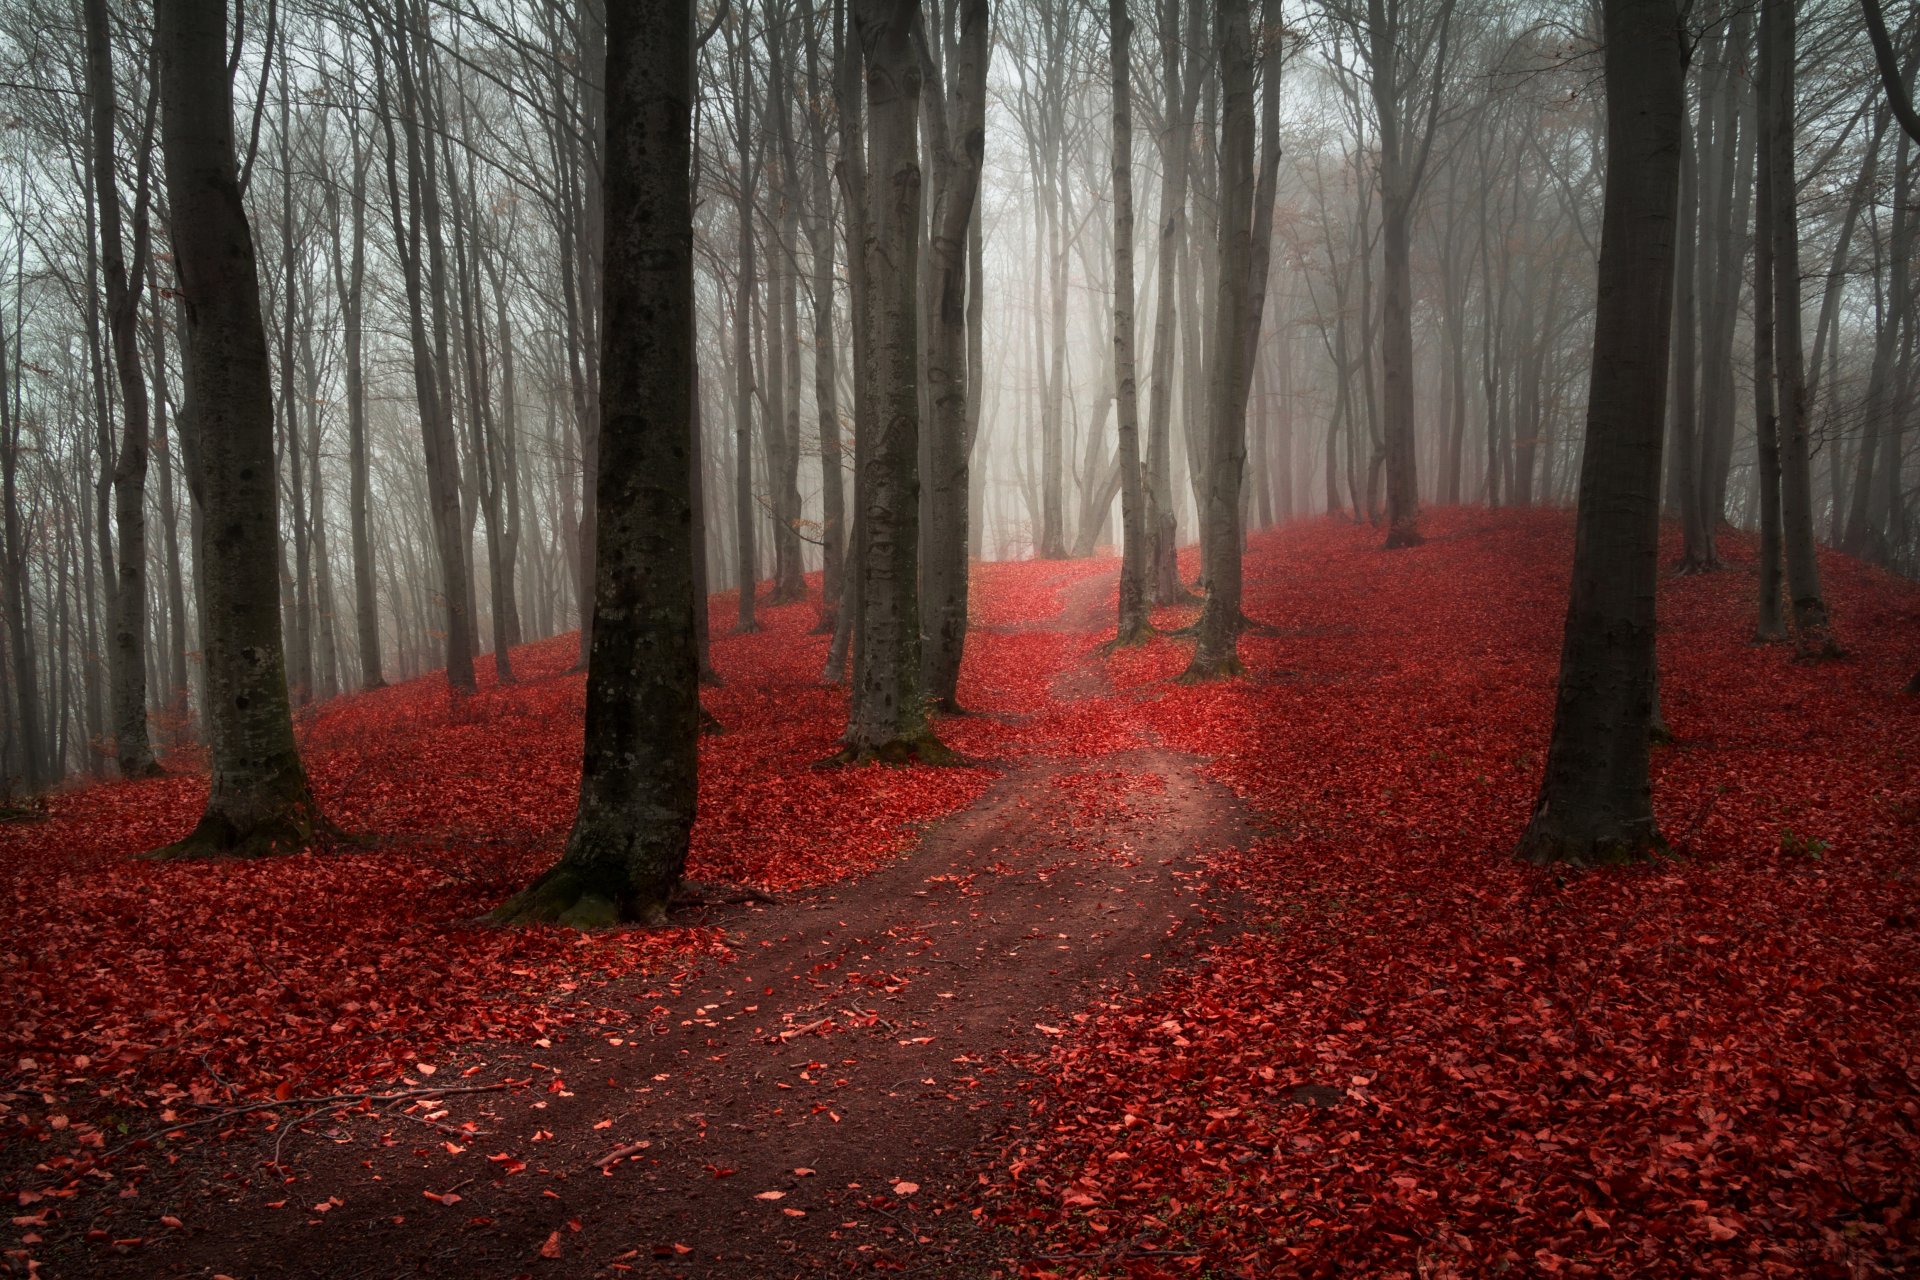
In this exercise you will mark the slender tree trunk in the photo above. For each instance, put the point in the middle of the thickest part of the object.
(1133, 624)
(958, 143)
(833, 502)
(1595, 803)
(887, 716)
(639, 775)
(128, 571)
(1684, 467)
(258, 802)
(1809, 610)
(1217, 652)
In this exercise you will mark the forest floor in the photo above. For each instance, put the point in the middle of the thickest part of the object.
(1225, 980)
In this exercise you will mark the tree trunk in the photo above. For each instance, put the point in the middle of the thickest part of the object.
(1595, 803)
(833, 502)
(1812, 636)
(127, 654)
(958, 143)
(639, 782)
(1217, 652)
(1133, 624)
(258, 802)
(887, 715)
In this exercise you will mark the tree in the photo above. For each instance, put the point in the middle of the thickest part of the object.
(127, 597)
(1808, 606)
(1217, 652)
(887, 713)
(957, 142)
(638, 784)
(1133, 624)
(1596, 800)
(259, 802)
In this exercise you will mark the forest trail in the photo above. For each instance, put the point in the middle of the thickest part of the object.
(824, 1101)
(972, 990)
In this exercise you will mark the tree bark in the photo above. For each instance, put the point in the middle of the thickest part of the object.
(887, 715)
(127, 654)
(1596, 803)
(1133, 624)
(639, 774)
(1812, 635)
(258, 802)
(1217, 652)
(958, 143)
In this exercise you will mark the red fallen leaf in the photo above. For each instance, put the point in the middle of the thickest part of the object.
(794, 1213)
(905, 1188)
(771, 1195)
(551, 1249)
(283, 1091)
(443, 1197)
(168, 1220)
(720, 1172)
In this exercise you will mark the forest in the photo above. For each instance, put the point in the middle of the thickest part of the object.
(1029, 639)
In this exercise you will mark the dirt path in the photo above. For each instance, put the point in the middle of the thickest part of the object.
(822, 1103)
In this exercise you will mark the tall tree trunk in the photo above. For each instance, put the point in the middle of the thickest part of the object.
(1770, 624)
(746, 572)
(1596, 803)
(128, 571)
(958, 144)
(349, 279)
(639, 774)
(887, 715)
(1217, 652)
(259, 802)
(1809, 610)
(36, 768)
(1134, 623)
(1176, 150)
(833, 502)
(1683, 412)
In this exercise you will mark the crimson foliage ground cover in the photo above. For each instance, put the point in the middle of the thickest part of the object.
(1432, 1061)
(1422, 1060)
(131, 991)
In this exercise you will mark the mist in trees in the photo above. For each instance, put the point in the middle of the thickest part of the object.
(969, 281)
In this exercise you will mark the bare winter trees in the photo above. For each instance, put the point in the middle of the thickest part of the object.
(1595, 803)
(638, 780)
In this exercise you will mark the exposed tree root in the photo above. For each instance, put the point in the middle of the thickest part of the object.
(1132, 638)
(1204, 669)
(217, 836)
(583, 898)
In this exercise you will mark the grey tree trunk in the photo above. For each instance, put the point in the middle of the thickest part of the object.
(833, 501)
(259, 802)
(639, 774)
(1596, 803)
(349, 279)
(1176, 151)
(127, 653)
(36, 769)
(887, 714)
(958, 131)
(1770, 624)
(1812, 635)
(746, 572)
(1216, 654)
